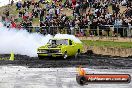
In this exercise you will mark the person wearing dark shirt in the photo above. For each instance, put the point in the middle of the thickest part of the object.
(12, 2)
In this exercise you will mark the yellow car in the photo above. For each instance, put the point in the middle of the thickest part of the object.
(60, 47)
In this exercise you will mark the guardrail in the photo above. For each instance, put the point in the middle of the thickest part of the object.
(102, 30)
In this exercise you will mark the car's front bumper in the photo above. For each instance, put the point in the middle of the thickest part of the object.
(50, 54)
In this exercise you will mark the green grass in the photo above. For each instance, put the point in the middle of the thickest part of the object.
(108, 44)
(36, 21)
(70, 17)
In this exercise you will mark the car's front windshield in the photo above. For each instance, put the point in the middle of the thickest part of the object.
(59, 42)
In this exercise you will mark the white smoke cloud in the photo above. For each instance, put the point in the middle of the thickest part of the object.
(67, 36)
(21, 42)
(24, 43)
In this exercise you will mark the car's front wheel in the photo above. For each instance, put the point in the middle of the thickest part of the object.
(65, 55)
(40, 57)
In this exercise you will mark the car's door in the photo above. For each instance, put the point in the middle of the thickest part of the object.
(71, 47)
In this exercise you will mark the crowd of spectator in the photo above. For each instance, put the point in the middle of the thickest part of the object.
(93, 13)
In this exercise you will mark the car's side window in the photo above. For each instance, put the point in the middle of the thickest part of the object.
(70, 42)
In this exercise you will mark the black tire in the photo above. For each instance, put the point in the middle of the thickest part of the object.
(40, 57)
(81, 80)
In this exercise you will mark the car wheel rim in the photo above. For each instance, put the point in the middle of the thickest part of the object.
(76, 55)
(65, 56)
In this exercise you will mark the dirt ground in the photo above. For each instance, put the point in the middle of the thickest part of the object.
(83, 59)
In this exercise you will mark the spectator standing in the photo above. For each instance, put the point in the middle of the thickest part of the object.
(12, 2)
(18, 5)
(73, 3)
(57, 11)
(117, 9)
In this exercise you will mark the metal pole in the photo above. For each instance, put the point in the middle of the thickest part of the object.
(9, 1)
(117, 31)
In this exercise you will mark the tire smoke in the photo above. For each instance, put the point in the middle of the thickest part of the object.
(25, 43)
(21, 42)
(67, 36)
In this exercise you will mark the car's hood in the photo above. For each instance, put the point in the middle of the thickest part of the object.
(51, 47)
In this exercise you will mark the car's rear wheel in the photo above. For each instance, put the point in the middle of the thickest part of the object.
(77, 54)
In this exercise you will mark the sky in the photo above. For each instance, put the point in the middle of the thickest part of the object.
(5, 2)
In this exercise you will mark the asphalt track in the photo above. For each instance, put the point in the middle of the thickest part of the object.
(85, 60)
(30, 72)
(24, 77)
